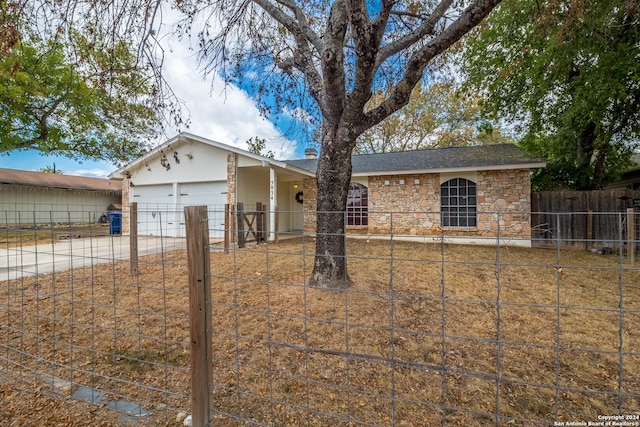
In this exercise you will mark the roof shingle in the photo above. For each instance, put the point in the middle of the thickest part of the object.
(54, 180)
(481, 157)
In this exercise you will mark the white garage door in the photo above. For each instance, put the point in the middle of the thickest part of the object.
(156, 209)
(161, 212)
(213, 195)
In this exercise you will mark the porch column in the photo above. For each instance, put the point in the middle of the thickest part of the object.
(273, 197)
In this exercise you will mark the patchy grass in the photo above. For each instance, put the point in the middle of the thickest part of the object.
(425, 332)
(17, 236)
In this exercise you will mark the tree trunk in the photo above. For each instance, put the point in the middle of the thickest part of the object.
(599, 166)
(332, 177)
(586, 140)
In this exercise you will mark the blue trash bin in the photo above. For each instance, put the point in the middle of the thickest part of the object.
(115, 222)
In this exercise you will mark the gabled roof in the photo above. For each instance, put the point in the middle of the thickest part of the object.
(184, 136)
(482, 157)
(56, 180)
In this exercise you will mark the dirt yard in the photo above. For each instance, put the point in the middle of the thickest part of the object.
(11, 237)
(424, 332)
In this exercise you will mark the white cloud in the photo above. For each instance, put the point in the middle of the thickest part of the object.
(297, 114)
(91, 173)
(222, 113)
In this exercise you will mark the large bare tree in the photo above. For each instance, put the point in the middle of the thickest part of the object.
(326, 57)
(340, 52)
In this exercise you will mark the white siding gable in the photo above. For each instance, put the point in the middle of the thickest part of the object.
(188, 162)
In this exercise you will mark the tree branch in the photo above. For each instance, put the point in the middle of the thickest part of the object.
(399, 96)
(305, 38)
(299, 20)
(380, 23)
(366, 43)
(420, 33)
(409, 14)
(332, 60)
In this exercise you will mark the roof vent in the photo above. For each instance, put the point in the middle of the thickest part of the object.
(311, 153)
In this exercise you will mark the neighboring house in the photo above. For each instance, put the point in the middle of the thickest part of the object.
(456, 190)
(42, 198)
(631, 178)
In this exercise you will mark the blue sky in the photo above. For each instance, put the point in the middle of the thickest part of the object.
(33, 160)
(224, 114)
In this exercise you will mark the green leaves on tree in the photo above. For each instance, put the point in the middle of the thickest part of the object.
(85, 103)
(567, 74)
(437, 116)
(258, 145)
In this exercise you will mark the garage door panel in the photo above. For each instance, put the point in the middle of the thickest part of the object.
(153, 193)
(213, 195)
(161, 212)
(155, 209)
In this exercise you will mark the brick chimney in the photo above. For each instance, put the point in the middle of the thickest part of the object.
(310, 153)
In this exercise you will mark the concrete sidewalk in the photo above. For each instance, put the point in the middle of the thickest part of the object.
(74, 253)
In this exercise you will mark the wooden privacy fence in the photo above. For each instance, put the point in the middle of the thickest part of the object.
(594, 220)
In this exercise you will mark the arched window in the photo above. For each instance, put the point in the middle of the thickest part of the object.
(458, 203)
(357, 205)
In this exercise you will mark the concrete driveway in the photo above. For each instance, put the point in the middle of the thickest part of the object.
(73, 253)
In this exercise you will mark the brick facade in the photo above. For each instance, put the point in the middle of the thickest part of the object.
(410, 204)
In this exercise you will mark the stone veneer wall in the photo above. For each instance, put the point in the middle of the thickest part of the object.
(409, 203)
(231, 178)
(126, 188)
(504, 195)
(412, 204)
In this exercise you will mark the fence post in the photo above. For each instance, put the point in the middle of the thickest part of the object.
(259, 223)
(232, 223)
(631, 235)
(198, 261)
(227, 227)
(240, 221)
(133, 237)
(276, 213)
(589, 230)
(263, 216)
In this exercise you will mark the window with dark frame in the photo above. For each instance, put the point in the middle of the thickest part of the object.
(357, 205)
(458, 203)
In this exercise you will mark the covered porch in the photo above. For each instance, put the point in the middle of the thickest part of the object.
(277, 186)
